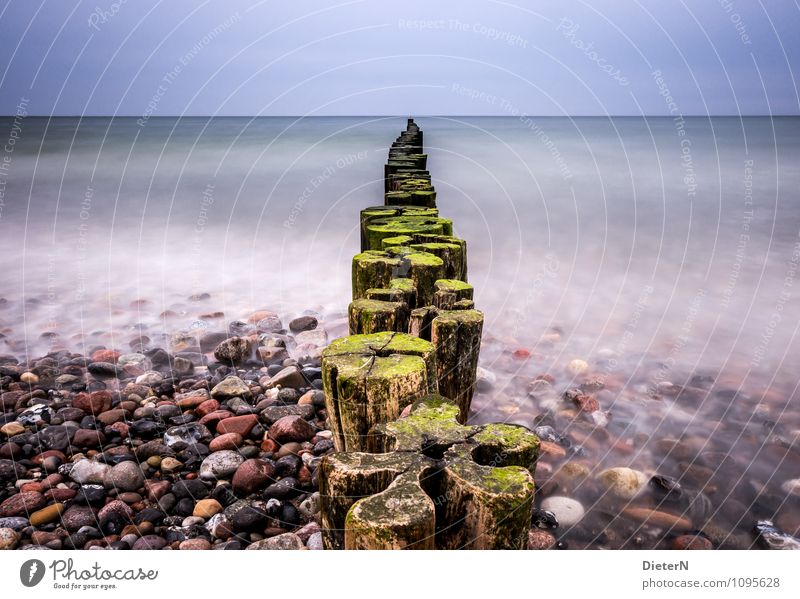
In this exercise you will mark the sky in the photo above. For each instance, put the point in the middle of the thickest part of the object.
(150, 58)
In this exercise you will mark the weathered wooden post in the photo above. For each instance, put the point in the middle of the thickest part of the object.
(429, 482)
(369, 379)
(424, 481)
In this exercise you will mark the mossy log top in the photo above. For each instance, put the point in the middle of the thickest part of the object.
(374, 316)
(376, 270)
(401, 517)
(432, 427)
(369, 379)
(372, 270)
(347, 477)
(376, 229)
(388, 211)
(398, 290)
(434, 487)
(452, 250)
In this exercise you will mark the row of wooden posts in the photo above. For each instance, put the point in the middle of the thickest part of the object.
(425, 480)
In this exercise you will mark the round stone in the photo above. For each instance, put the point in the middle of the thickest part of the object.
(8, 538)
(692, 542)
(220, 464)
(567, 511)
(540, 539)
(577, 366)
(125, 476)
(251, 476)
(206, 508)
(623, 483)
(198, 544)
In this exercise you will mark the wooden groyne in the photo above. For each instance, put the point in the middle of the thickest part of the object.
(425, 480)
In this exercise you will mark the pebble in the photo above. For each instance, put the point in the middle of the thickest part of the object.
(220, 464)
(310, 506)
(282, 542)
(693, 542)
(567, 511)
(198, 544)
(125, 476)
(291, 428)
(252, 475)
(206, 508)
(47, 515)
(287, 377)
(233, 350)
(315, 542)
(231, 387)
(791, 487)
(540, 539)
(623, 483)
(658, 518)
(303, 323)
(225, 441)
(577, 367)
(9, 538)
(22, 504)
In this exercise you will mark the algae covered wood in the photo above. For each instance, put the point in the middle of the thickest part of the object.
(484, 507)
(449, 292)
(374, 316)
(374, 270)
(347, 477)
(376, 229)
(401, 517)
(456, 334)
(382, 212)
(399, 290)
(438, 484)
(369, 379)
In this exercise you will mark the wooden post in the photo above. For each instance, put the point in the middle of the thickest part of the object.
(375, 316)
(369, 379)
(456, 334)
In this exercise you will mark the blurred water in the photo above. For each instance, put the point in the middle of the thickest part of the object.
(662, 252)
(571, 222)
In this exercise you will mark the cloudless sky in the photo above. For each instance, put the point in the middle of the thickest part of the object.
(377, 57)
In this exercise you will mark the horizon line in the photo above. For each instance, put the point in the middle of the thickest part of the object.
(297, 116)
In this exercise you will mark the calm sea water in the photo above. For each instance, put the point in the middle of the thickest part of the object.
(664, 253)
(669, 231)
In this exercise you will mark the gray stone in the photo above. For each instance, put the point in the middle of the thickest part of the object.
(125, 476)
(232, 386)
(285, 541)
(88, 472)
(220, 464)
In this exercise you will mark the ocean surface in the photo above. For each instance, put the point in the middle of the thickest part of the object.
(663, 252)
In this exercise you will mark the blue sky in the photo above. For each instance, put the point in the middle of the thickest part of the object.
(373, 57)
